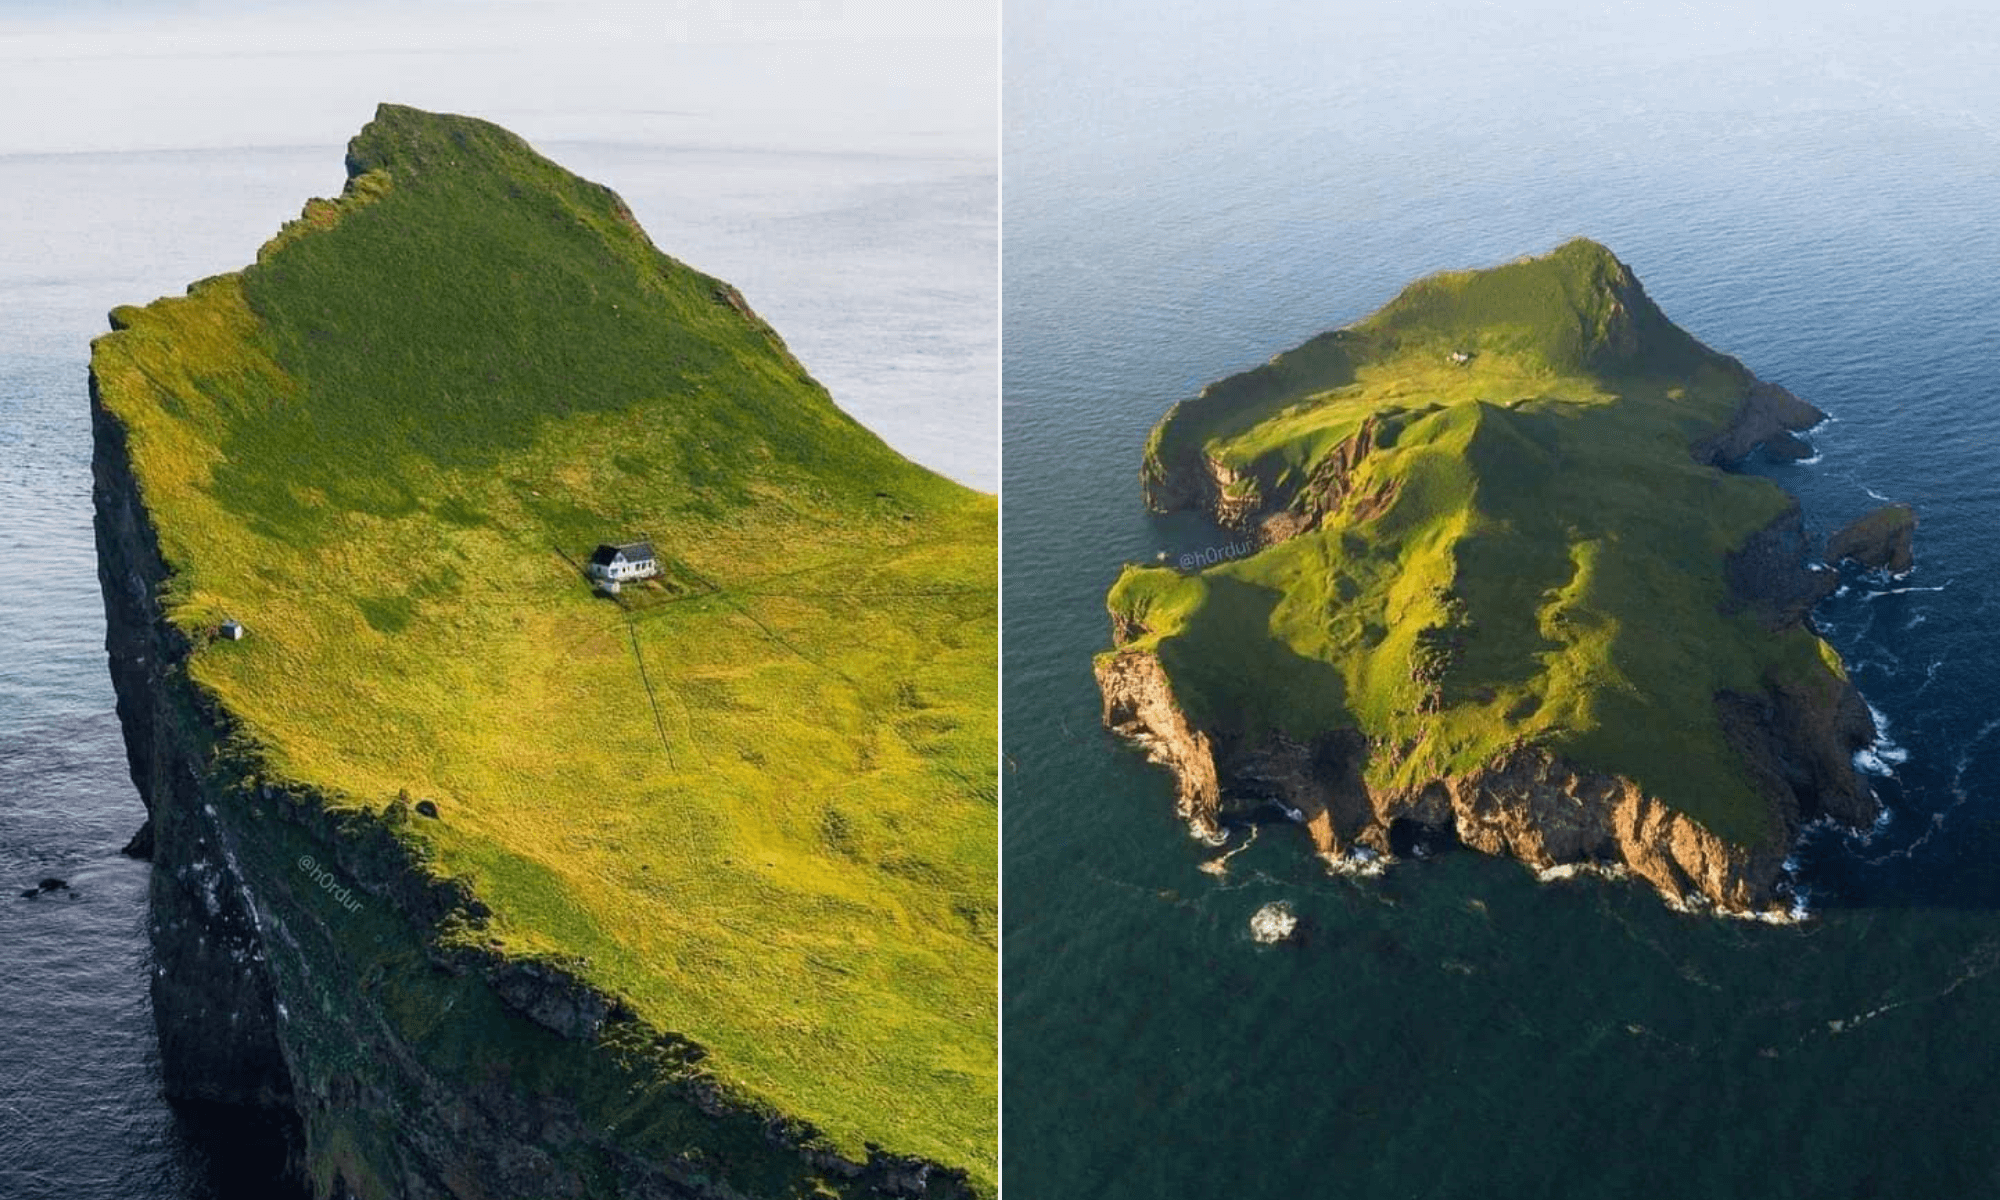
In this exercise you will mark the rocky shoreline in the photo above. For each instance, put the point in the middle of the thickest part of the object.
(1796, 742)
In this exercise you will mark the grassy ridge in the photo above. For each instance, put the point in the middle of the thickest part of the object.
(760, 807)
(1547, 570)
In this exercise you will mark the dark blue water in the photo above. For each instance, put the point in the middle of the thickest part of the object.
(879, 268)
(1189, 191)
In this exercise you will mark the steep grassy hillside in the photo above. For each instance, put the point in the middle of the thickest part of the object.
(1505, 541)
(755, 801)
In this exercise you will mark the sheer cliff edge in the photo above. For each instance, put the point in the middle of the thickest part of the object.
(501, 881)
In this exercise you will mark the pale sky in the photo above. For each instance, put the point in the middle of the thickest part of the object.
(776, 74)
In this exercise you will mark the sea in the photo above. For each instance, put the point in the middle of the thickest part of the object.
(877, 264)
(1192, 188)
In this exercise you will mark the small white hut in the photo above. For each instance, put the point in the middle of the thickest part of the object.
(613, 565)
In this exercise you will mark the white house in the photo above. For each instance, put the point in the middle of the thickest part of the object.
(613, 565)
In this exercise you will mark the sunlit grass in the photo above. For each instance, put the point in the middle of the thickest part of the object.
(380, 447)
(1550, 541)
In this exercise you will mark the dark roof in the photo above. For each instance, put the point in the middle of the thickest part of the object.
(633, 551)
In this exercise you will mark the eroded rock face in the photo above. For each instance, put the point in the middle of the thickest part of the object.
(1880, 541)
(1768, 416)
(207, 955)
(1139, 706)
(1530, 805)
(1769, 573)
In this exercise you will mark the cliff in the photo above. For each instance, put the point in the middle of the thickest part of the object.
(500, 888)
(1880, 540)
(1506, 594)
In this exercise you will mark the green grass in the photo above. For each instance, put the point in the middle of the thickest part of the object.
(1549, 569)
(759, 803)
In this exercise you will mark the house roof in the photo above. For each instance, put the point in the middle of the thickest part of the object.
(633, 552)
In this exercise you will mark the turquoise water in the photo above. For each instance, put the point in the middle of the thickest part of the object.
(1188, 192)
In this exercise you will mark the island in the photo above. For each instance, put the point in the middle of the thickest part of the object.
(499, 883)
(1501, 590)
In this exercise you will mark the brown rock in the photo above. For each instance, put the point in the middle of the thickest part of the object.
(1529, 804)
(1880, 540)
(1139, 706)
(1767, 416)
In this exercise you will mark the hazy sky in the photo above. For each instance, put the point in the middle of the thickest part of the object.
(793, 74)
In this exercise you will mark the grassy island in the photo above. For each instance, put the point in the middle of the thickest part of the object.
(753, 800)
(1483, 531)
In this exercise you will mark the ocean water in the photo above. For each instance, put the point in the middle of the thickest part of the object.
(879, 268)
(1189, 191)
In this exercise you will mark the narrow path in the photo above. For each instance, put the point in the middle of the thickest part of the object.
(659, 722)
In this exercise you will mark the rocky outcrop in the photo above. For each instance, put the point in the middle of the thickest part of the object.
(1240, 501)
(308, 962)
(1771, 575)
(1529, 805)
(1768, 416)
(1139, 706)
(1880, 541)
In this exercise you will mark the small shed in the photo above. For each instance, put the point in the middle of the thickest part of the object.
(231, 630)
(620, 563)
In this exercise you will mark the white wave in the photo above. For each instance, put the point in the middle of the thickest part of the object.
(1563, 871)
(1360, 862)
(1870, 763)
(1883, 818)
(1816, 455)
(1958, 792)
(1884, 750)
(1273, 923)
(1219, 866)
(1879, 496)
(1797, 914)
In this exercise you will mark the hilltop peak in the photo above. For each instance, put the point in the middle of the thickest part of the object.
(1585, 249)
(402, 139)
(1578, 307)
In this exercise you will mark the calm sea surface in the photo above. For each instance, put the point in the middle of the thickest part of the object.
(877, 268)
(1188, 193)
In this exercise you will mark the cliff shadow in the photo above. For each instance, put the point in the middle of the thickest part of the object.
(230, 1152)
(1236, 676)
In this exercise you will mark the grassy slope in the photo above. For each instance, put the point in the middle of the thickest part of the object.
(375, 447)
(1552, 549)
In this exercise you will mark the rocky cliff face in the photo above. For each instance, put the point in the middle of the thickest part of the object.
(211, 986)
(1139, 707)
(1768, 417)
(1796, 741)
(300, 966)
(1530, 805)
(1880, 541)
